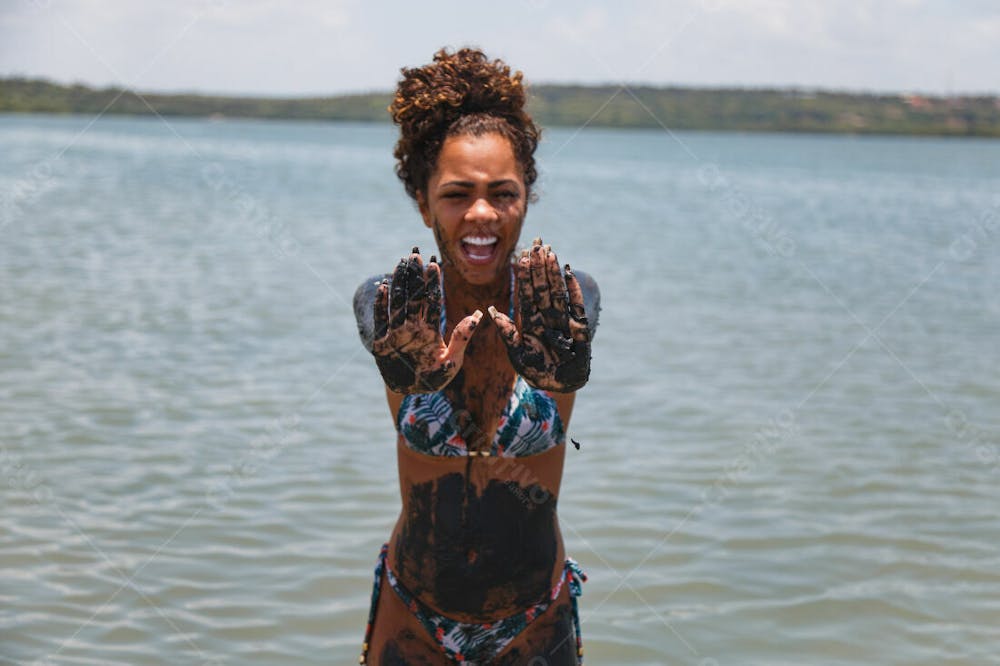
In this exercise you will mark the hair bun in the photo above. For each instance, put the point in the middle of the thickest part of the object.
(457, 84)
(457, 93)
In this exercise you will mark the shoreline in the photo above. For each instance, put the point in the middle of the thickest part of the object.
(785, 111)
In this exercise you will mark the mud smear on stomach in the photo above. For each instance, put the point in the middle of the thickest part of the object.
(478, 553)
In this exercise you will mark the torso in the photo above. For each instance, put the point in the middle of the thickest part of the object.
(478, 537)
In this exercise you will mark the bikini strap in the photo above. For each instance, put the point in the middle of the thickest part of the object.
(576, 580)
(376, 588)
(510, 310)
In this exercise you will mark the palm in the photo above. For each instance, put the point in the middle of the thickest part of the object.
(552, 349)
(408, 347)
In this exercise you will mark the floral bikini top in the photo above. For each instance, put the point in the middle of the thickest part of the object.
(428, 422)
(529, 423)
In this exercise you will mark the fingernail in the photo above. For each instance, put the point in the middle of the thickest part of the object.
(492, 311)
(415, 250)
(537, 241)
(433, 259)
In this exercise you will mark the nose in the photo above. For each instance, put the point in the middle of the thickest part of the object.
(481, 211)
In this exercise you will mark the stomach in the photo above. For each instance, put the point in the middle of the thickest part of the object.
(477, 552)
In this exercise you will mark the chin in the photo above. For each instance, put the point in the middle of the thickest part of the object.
(481, 275)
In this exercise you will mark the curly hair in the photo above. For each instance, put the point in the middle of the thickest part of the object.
(459, 93)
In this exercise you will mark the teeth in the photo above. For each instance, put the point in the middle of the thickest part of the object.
(480, 240)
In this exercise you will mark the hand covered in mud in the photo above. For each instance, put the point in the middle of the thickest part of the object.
(408, 347)
(552, 349)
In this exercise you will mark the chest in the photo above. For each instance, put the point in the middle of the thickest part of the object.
(482, 390)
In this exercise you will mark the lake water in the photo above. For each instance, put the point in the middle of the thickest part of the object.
(790, 441)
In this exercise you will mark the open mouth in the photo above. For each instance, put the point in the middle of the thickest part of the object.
(479, 249)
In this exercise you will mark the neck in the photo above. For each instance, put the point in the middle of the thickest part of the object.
(464, 298)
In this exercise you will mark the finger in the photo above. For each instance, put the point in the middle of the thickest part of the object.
(460, 338)
(534, 324)
(432, 308)
(579, 327)
(539, 281)
(531, 319)
(380, 314)
(525, 293)
(382, 309)
(508, 331)
(556, 316)
(397, 295)
(415, 292)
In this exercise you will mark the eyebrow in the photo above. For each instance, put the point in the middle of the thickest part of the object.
(469, 183)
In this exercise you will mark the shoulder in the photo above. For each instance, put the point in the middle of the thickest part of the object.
(591, 298)
(364, 308)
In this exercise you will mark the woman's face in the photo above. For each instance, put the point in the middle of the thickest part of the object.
(475, 202)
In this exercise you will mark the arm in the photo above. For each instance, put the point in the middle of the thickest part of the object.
(592, 307)
(364, 308)
(591, 299)
(592, 304)
(364, 314)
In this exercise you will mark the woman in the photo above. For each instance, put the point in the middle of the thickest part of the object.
(475, 571)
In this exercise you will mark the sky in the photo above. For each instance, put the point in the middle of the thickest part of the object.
(322, 47)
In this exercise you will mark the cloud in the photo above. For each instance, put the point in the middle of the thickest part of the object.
(323, 46)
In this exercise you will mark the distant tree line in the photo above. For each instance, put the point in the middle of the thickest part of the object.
(751, 110)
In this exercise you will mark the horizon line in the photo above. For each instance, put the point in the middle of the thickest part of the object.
(798, 88)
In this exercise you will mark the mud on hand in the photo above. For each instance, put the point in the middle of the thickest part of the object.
(408, 348)
(552, 348)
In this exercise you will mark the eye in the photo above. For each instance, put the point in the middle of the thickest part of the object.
(507, 194)
(453, 195)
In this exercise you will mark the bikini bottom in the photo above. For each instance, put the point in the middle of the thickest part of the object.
(473, 643)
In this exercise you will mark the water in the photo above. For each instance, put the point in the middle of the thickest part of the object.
(790, 443)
